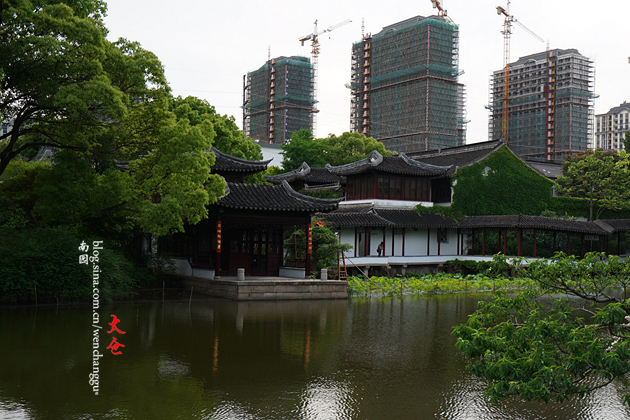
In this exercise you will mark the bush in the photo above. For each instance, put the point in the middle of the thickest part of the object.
(432, 284)
(48, 258)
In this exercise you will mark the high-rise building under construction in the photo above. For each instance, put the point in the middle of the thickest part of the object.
(405, 90)
(278, 99)
(550, 111)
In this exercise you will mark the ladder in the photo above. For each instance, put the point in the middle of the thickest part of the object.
(342, 272)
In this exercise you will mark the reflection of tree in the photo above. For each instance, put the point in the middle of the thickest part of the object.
(133, 385)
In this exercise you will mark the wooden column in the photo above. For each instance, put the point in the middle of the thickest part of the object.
(505, 233)
(535, 231)
(553, 250)
(309, 250)
(568, 243)
(384, 240)
(457, 249)
(356, 234)
(393, 240)
(520, 243)
(403, 242)
(439, 241)
(367, 234)
(582, 247)
(218, 251)
(472, 250)
(428, 242)
(483, 242)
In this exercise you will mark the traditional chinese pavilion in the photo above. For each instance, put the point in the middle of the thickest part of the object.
(245, 228)
(382, 193)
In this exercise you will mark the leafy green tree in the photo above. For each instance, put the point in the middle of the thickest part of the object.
(302, 148)
(229, 139)
(626, 141)
(53, 84)
(122, 157)
(350, 147)
(346, 148)
(325, 244)
(541, 347)
(600, 177)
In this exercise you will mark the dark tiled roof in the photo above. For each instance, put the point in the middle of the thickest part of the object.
(227, 163)
(306, 174)
(400, 164)
(459, 156)
(413, 219)
(371, 220)
(272, 197)
(617, 225)
(534, 222)
(367, 216)
(550, 170)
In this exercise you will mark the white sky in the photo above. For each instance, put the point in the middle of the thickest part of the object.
(207, 46)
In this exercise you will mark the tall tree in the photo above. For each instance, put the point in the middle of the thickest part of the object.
(600, 177)
(53, 85)
(302, 148)
(350, 147)
(122, 156)
(335, 150)
(229, 139)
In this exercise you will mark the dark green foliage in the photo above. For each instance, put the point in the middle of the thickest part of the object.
(565, 337)
(466, 266)
(325, 245)
(446, 211)
(48, 258)
(599, 177)
(302, 148)
(17, 194)
(347, 148)
(579, 207)
(500, 184)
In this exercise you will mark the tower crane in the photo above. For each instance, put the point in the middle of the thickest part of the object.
(507, 32)
(314, 38)
(441, 12)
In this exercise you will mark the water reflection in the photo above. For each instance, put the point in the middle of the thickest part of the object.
(359, 359)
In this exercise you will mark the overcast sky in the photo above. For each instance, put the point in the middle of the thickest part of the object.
(207, 46)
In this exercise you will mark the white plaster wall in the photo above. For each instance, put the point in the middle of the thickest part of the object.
(449, 248)
(346, 236)
(398, 244)
(415, 242)
(377, 238)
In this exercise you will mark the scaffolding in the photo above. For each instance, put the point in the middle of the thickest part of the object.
(278, 99)
(551, 105)
(404, 86)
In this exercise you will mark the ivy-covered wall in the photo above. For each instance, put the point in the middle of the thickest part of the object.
(500, 184)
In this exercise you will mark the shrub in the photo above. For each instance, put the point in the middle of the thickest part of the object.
(48, 258)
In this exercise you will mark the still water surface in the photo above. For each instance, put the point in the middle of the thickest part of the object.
(357, 359)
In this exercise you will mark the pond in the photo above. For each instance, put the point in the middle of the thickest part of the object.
(356, 359)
